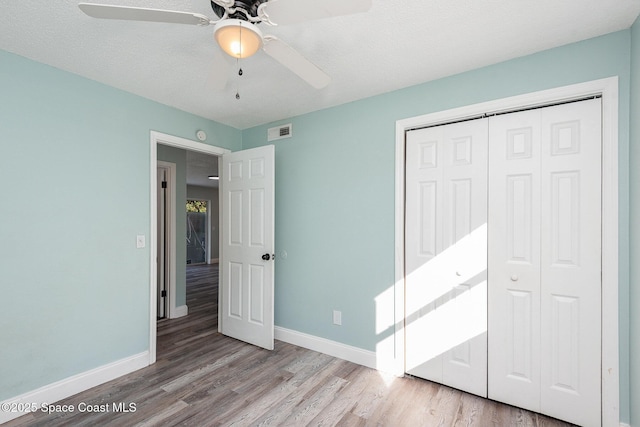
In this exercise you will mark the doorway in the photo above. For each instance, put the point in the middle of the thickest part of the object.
(157, 139)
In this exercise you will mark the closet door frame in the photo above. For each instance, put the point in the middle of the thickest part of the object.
(608, 90)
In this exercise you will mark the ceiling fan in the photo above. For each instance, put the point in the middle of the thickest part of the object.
(237, 33)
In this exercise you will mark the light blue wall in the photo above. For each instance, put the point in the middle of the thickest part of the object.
(634, 178)
(179, 157)
(335, 189)
(74, 168)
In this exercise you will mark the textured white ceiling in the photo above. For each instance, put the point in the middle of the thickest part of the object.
(199, 167)
(398, 43)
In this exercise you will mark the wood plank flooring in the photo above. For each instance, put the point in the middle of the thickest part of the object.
(202, 378)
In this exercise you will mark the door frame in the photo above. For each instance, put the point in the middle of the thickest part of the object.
(608, 89)
(156, 138)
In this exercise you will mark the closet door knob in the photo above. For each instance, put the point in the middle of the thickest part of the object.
(514, 278)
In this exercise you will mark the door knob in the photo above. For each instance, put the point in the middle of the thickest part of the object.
(514, 278)
(266, 257)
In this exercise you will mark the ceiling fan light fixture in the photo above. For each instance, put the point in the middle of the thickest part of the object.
(238, 38)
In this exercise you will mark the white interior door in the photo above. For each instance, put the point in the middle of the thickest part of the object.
(162, 243)
(247, 245)
(446, 255)
(545, 261)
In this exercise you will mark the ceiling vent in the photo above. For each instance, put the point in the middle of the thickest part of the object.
(279, 132)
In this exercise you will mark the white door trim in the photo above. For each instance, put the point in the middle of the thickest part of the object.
(156, 138)
(608, 88)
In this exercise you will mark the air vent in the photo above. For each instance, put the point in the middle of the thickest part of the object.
(279, 132)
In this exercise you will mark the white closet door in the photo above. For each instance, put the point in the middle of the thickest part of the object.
(514, 259)
(545, 261)
(446, 243)
(571, 262)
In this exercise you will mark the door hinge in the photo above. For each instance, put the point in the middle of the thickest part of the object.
(164, 184)
(163, 294)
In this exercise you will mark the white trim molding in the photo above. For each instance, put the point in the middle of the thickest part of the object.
(156, 138)
(325, 346)
(73, 385)
(608, 89)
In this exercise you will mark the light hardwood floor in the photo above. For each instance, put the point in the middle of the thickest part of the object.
(202, 378)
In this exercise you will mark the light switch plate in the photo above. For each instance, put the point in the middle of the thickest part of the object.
(337, 317)
(140, 241)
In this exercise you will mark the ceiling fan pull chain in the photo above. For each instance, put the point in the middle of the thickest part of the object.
(238, 60)
(239, 74)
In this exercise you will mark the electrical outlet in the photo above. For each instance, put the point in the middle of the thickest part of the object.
(337, 317)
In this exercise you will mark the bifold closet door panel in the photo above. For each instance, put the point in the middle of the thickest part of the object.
(571, 262)
(446, 243)
(423, 243)
(545, 260)
(514, 259)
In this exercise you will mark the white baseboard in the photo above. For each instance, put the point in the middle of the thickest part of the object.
(625, 425)
(332, 348)
(180, 311)
(75, 384)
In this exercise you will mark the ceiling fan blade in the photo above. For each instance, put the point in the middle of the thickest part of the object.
(297, 63)
(105, 11)
(293, 11)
